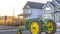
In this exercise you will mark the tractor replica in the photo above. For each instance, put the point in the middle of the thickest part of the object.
(37, 26)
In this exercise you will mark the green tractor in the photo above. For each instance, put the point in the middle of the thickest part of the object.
(39, 25)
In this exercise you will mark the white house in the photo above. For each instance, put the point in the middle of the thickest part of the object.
(33, 8)
(48, 10)
(51, 8)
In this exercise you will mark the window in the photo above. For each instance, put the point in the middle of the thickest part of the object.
(27, 11)
(59, 8)
(48, 16)
(57, 17)
(47, 10)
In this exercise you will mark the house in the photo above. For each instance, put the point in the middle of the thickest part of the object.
(34, 9)
(50, 8)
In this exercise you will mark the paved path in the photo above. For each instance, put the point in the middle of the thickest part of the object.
(23, 32)
(8, 31)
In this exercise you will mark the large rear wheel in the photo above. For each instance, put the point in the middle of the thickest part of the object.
(35, 27)
(51, 27)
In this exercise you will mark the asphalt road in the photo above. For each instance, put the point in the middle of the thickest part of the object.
(23, 32)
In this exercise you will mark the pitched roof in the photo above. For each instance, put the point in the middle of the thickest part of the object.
(34, 5)
(58, 1)
(57, 12)
(52, 3)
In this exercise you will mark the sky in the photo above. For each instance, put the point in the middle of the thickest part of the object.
(7, 7)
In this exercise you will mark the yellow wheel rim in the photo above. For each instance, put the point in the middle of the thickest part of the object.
(50, 26)
(34, 27)
(18, 32)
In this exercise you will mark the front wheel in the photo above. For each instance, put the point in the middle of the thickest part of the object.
(35, 27)
(19, 32)
(51, 27)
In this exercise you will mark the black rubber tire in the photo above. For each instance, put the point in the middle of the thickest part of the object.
(19, 31)
(54, 27)
(39, 32)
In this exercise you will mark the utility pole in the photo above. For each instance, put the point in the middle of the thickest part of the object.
(13, 15)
